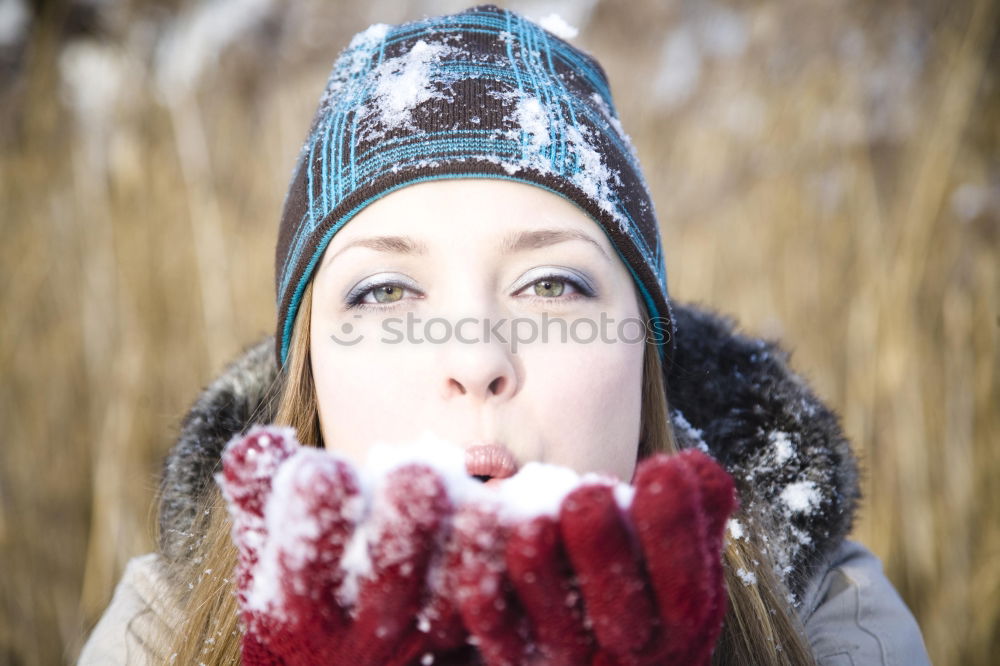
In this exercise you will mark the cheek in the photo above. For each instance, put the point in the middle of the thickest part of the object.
(587, 402)
(362, 396)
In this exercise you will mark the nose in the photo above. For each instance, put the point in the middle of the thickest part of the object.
(482, 371)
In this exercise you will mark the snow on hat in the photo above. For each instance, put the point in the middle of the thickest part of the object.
(483, 93)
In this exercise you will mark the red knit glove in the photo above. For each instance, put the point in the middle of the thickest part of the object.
(600, 585)
(318, 580)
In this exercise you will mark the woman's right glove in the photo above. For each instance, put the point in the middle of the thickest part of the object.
(602, 583)
(317, 580)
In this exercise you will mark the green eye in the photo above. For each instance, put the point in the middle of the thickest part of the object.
(388, 293)
(549, 288)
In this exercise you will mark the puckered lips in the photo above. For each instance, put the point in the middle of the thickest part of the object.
(490, 463)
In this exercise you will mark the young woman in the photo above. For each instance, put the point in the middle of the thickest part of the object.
(465, 186)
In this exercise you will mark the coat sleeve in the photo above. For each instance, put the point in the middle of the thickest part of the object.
(133, 627)
(854, 617)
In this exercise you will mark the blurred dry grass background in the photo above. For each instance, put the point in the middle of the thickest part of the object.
(829, 173)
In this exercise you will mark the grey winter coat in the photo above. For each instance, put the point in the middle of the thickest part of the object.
(731, 395)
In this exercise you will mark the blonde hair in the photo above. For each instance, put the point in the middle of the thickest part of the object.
(760, 626)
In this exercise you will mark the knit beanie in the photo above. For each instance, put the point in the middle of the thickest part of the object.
(484, 93)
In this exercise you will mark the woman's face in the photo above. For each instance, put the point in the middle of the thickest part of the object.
(428, 313)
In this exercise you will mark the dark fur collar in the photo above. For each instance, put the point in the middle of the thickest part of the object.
(732, 395)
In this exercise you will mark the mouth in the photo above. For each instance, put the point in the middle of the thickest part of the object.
(490, 463)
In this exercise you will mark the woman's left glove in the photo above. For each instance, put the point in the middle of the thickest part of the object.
(297, 512)
(612, 580)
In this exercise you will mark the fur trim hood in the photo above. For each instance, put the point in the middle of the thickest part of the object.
(732, 395)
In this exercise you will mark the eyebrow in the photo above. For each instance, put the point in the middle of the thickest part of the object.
(518, 241)
(395, 244)
(539, 238)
